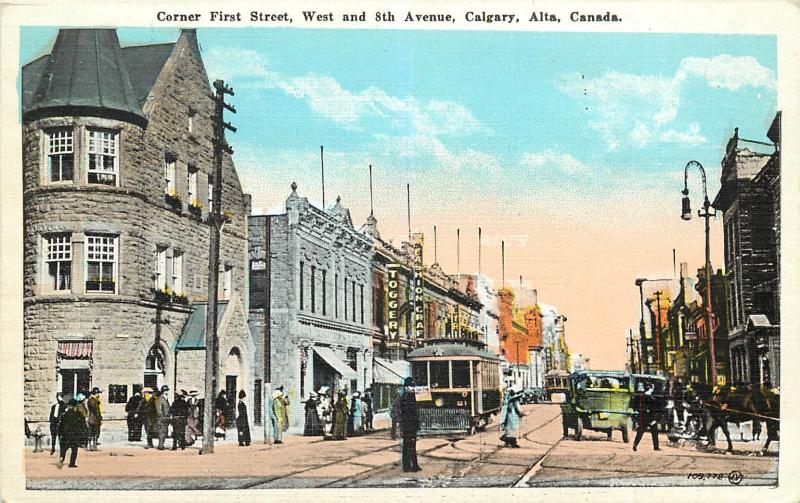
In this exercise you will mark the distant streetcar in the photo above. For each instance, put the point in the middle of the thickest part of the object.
(464, 385)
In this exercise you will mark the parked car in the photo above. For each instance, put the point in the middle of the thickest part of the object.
(533, 395)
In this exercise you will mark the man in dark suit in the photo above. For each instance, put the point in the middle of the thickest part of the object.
(409, 426)
(648, 414)
(56, 411)
(71, 433)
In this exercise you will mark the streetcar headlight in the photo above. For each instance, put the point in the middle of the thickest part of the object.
(438, 402)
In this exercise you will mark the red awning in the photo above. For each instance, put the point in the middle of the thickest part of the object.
(75, 349)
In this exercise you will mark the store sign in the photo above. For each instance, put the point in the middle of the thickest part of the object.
(393, 326)
(419, 302)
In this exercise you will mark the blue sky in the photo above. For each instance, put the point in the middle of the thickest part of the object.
(562, 144)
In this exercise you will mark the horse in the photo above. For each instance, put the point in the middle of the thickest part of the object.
(728, 404)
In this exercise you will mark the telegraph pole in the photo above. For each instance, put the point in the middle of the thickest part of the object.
(215, 221)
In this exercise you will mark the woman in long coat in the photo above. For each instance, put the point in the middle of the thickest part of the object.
(242, 421)
(341, 411)
(511, 419)
(325, 411)
(313, 426)
(277, 416)
(356, 410)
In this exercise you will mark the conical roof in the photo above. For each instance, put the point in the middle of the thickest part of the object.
(86, 74)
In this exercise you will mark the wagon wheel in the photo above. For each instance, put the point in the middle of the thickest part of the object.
(625, 434)
(578, 429)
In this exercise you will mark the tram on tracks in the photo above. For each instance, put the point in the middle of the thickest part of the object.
(556, 385)
(459, 387)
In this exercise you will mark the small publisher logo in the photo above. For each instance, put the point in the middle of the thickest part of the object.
(735, 477)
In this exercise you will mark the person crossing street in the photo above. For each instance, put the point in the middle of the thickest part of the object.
(648, 413)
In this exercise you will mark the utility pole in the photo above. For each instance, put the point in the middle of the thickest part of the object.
(479, 251)
(215, 221)
(631, 345)
(322, 168)
(658, 295)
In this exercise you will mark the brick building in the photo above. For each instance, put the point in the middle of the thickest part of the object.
(750, 201)
(321, 307)
(117, 157)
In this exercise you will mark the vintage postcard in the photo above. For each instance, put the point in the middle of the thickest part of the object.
(406, 251)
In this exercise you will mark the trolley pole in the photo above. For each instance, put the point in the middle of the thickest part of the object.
(216, 221)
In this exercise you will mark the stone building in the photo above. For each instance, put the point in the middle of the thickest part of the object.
(117, 157)
(321, 307)
(750, 201)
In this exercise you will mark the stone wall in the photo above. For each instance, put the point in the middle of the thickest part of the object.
(136, 211)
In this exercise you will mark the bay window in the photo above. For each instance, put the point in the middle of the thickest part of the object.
(103, 161)
(60, 155)
(101, 263)
(58, 262)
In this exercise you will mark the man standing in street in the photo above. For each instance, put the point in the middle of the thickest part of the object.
(647, 408)
(56, 412)
(149, 412)
(409, 426)
(277, 415)
(71, 430)
(179, 412)
(162, 405)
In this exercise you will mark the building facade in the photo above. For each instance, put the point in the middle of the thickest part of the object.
(116, 176)
(750, 201)
(320, 303)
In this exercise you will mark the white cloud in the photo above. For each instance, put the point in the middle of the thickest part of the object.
(552, 160)
(729, 72)
(639, 109)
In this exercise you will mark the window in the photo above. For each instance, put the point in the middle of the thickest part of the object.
(169, 175)
(58, 258)
(177, 272)
(103, 165)
(353, 290)
(191, 191)
(313, 289)
(117, 393)
(60, 155)
(336, 295)
(210, 197)
(160, 272)
(227, 282)
(302, 285)
(362, 303)
(344, 282)
(101, 263)
(460, 374)
(440, 374)
(190, 121)
(324, 293)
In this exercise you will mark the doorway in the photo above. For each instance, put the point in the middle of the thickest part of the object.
(230, 390)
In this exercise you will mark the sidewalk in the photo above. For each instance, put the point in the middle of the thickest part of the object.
(115, 434)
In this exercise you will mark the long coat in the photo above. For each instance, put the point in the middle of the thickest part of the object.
(341, 412)
(149, 410)
(279, 413)
(72, 427)
(243, 423)
(409, 414)
(313, 426)
(511, 419)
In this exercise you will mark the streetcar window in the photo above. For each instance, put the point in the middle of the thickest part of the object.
(460, 374)
(419, 372)
(440, 374)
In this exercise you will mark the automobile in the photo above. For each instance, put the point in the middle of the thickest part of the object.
(598, 401)
(533, 395)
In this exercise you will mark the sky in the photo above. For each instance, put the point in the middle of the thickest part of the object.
(570, 147)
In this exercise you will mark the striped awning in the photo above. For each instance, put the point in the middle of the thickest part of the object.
(75, 349)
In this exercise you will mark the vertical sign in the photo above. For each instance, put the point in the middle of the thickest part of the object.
(393, 325)
(419, 303)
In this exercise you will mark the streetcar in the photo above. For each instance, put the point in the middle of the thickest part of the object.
(555, 385)
(458, 387)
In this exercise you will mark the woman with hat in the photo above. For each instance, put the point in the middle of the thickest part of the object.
(277, 415)
(313, 427)
(340, 415)
(94, 418)
(511, 418)
(356, 413)
(242, 422)
(325, 411)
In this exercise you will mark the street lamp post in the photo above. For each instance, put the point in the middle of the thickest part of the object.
(639, 282)
(686, 214)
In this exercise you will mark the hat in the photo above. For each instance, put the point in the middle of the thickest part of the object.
(182, 393)
(312, 393)
(242, 394)
(164, 388)
(323, 390)
(356, 394)
(276, 393)
(96, 391)
(147, 390)
(194, 393)
(342, 392)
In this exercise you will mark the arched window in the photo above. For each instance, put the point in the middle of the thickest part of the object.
(154, 367)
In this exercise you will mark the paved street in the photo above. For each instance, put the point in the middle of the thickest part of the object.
(543, 459)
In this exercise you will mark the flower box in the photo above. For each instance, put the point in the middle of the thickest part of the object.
(173, 198)
(180, 298)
